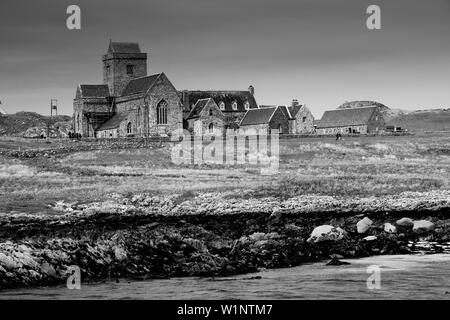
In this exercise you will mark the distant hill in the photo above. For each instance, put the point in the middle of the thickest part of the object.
(422, 120)
(385, 111)
(32, 124)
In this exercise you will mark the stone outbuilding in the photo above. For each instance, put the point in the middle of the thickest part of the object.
(364, 120)
(206, 118)
(301, 119)
(232, 103)
(264, 120)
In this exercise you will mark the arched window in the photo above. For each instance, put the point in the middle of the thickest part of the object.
(129, 129)
(210, 112)
(139, 117)
(211, 128)
(234, 105)
(78, 122)
(222, 105)
(247, 105)
(161, 112)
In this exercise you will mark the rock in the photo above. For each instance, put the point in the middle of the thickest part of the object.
(8, 262)
(405, 222)
(335, 262)
(257, 236)
(370, 238)
(326, 232)
(423, 226)
(389, 228)
(364, 225)
(48, 269)
(120, 253)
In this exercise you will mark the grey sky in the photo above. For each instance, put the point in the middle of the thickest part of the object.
(318, 51)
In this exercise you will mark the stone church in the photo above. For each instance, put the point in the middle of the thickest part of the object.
(131, 103)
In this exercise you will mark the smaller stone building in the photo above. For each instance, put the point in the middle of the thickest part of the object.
(264, 120)
(302, 120)
(206, 118)
(232, 104)
(364, 120)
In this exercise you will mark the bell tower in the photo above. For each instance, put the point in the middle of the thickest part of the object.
(123, 61)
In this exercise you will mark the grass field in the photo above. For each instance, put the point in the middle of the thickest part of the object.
(362, 166)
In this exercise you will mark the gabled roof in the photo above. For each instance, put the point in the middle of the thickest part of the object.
(346, 117)
(258, 116)
(140, 85)
(195, 112)
(94, 90)
(227, 97)
(293, 110)
(124, 47)
(114, 122)
(285, 111)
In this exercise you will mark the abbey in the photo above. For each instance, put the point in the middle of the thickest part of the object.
(131, 103)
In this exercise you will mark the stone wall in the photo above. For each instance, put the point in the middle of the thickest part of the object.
(303, 122)
(254, 129)
(117, 77)
(210, 114)
(164, 90)
(376, 123)
(342, 130)
(83, 105)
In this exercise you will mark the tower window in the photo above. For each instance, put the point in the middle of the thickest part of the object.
(108, 69)
(304, 119)
(161, 112)
(130, 69)
(210, 112)
(129, 129)
(211, 128)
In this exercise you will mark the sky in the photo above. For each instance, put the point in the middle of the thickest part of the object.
(317, 51)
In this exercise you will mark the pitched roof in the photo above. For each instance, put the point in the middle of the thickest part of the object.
(346, 117)
(195, 112)
(257, 116)
(124, 47)
(114, 122)
(227, 97)
(94, 90)
(293, 110)
(140, 85)
(285, 110)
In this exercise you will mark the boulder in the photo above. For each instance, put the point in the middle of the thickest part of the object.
(389, 228)
(364, 225)
(423, 226)
(336, 262)
(326, 233)
(120, 254)
(47, 269)
(8, 262)
(405, 222)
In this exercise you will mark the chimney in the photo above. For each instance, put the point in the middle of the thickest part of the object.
(294, 102)
(251, 89)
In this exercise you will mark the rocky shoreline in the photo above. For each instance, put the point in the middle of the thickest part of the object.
(143, 236)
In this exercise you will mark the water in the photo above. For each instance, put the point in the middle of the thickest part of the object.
(402, 277)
